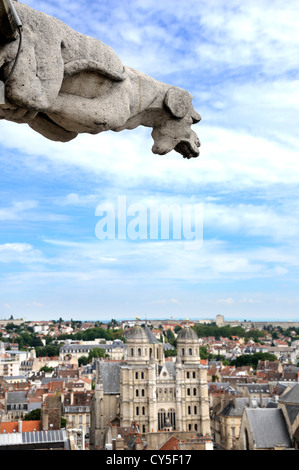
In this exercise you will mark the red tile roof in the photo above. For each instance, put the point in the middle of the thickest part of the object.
(171, 444)
(27, 426)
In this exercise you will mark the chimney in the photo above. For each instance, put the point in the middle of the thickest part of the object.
(19, 426)
(114, 431)
(118, 443)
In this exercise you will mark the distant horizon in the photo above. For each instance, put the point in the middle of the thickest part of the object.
(143, 319)
(240, 64)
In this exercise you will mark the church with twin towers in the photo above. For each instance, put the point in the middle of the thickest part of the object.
(155, 396)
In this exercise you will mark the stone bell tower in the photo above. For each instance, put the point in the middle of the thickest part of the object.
(138, 379)
(98, 424)
(192, 388)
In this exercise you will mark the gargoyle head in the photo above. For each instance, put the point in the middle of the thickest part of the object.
(175, 133)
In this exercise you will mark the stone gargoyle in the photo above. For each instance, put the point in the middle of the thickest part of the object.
(66, 83)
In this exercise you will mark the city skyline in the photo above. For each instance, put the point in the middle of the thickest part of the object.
(241, 67)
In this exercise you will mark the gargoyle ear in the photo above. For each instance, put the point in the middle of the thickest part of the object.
(178, 102)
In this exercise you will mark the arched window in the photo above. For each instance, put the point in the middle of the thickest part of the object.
(132, 352)
(171, 417)
(190, 351)
(161, 419)
(139, 352)
(166, 418)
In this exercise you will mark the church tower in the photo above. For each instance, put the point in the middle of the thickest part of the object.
(98, 425)
(138, 379)
(192, 388)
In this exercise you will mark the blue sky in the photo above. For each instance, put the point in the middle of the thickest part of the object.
(239, 60)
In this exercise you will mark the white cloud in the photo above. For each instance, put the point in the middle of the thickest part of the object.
(228, 301)
(17, 210)
(242, 34)
(227, 157)
(23, 253)
(279, 223)
(166, 261)
(34, 304)
(74, 199)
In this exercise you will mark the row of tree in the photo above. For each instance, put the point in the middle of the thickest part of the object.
(26, 338)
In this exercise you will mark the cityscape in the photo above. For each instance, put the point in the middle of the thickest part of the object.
(149, 212)
(156, 385)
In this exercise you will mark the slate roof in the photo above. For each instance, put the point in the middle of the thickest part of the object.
(256, 388)
(268, 427)
(14, 398)
(151, 337)
(170, 366)
(236, 407)
(292, 411)
(15, 377)
(168, 346)
(281, 387)
(85, 348)
(110, 374)
(137, 333)
(187, 333)
(271, 404)
(292, 396)
(221, 386)
(33, 438)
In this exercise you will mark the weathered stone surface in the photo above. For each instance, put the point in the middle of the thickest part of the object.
(66, 83)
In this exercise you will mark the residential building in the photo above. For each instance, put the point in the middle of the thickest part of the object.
(115, 350)
(45, 434)
(76, 410)
(16, 405)
(9, 366)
